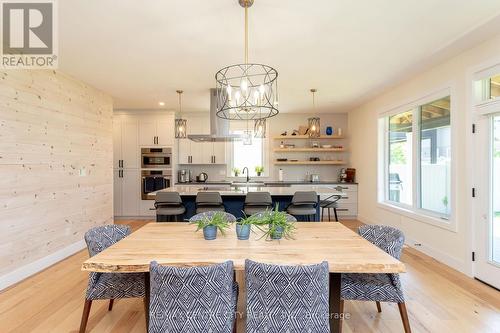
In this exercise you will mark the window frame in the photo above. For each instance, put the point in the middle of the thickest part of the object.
(238, 126)
(414, 211)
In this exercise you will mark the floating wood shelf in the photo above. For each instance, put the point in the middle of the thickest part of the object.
(322, 150)
(325, 137)
(310, 163)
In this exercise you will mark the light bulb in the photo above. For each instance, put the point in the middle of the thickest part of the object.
(262, 89)
(313, 128)
(244, 86)
(256, 96)
(237, 97)
(229, 92)
(181, 129)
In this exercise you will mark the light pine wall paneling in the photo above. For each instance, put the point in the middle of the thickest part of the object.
(51, 126)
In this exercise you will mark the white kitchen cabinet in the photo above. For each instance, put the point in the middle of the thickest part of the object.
(184, 151)
(117, 192)
(146, 208)
(156, 131)
(125, 142)
(219, 152)
(126, 192)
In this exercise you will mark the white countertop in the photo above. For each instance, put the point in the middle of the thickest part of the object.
(233, 191)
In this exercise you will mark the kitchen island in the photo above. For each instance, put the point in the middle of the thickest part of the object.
(234, 196)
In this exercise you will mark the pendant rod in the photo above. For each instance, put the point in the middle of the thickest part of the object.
(246, 35)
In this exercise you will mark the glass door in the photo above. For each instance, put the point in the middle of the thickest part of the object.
(488, 201)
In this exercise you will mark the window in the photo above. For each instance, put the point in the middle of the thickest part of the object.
(417, 153)
(247, 155)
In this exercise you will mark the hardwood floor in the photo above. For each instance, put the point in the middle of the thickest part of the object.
(438, 298)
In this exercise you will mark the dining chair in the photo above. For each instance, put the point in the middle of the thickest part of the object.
(287, 298)
(289, 218)
(209, 201)
(192, 299)
(168, 206)
(378, 287)
(257, 202)
(108, 285)
(304, 203)
(330, 203)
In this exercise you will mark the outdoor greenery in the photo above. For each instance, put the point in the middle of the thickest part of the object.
(218, 220)
(398, 154)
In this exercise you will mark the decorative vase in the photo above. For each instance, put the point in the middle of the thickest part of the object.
(210, 232)
(243, 231)
(329, 130)
(278, 233)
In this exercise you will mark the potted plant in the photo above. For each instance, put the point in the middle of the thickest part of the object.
(236, 172)
(244, 226)
(278, 225)
(210, 225)
(259, 170)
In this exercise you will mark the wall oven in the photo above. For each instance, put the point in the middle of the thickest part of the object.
(154, 180)
(156, 158)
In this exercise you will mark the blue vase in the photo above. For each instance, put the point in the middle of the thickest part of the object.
(243, 231)
(278, 233)
(210, 232)
(329, 130)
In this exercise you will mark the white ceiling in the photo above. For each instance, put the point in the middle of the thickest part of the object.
(140, 52)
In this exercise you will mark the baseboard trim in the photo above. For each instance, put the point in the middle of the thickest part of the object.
(440, 256)
(30, 269)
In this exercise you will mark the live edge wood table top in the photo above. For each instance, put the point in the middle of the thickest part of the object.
(177, 244)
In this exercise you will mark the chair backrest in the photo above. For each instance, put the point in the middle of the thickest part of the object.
(208, 198)
(305, 198)
(193, 299)
(389, 239)
(100, 238)
(172, 198)
(289, 218)
(258, 198)
(229, 217)
(286, 298)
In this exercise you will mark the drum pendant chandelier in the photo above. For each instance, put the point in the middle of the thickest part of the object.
(247, 91)
(180, 123)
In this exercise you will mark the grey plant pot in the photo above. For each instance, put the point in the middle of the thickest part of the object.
(210, 232)
(278, 233)
(243, 231)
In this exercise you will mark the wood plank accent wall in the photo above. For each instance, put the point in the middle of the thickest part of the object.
(51, 127)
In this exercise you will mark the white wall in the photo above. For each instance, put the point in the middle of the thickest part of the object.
(451, 247)
(56, 168)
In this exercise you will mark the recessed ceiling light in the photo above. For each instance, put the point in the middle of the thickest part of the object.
(161, 103)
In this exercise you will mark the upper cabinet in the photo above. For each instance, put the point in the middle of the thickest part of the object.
(191, 152)
(156, 131)
(125, 142)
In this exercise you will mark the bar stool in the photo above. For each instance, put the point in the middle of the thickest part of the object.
(209, 201)
(168, 206)
(304, 203)
(257, 202)
(330, 203)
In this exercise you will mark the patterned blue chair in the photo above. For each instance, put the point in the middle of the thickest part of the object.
(193, 299)
(108, 285)
(378, 287)
(287, 298)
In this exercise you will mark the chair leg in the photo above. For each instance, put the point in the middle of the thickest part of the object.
(322, 213)
(379, 307)
(110, 306)
(335, 212)
(329, 219)
(404, 317)
(85, 315)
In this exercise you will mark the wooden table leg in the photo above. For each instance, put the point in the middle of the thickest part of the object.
(335, 303)
(146, 299)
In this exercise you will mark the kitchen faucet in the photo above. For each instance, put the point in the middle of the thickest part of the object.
(243, 171)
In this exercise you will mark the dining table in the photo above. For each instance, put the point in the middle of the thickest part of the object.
(177, 244)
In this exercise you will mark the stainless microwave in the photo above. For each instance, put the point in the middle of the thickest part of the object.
(156, 158)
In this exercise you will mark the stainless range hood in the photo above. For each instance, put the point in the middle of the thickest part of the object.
(219, 128)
